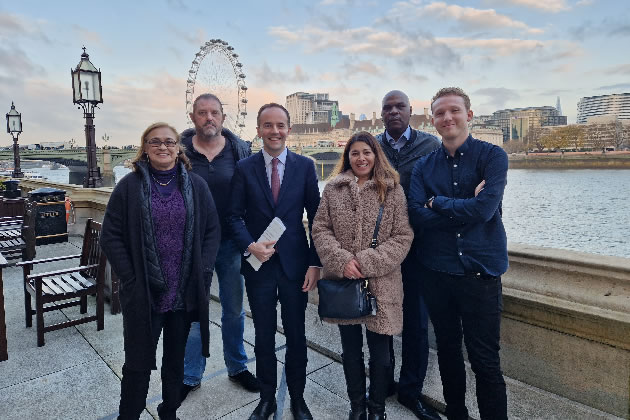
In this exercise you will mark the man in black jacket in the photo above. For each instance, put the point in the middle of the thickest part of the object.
(403, 146)
(213, 152)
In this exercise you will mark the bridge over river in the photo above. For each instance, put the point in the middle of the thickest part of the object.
(325, 158)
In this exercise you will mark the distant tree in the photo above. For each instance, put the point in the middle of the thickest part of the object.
(598, 136)
(619, 138)
(536, 138)
(514, 146)
(575, 136)
(625, 133)
(557, 139)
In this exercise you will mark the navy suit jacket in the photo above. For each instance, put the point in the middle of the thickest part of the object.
(252, 209)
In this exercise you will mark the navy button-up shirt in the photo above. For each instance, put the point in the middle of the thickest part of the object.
(460, 234)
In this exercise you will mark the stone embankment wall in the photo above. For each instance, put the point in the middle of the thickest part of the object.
(570, 161)
(566, 318)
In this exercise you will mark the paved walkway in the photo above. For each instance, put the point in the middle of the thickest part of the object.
(76, 375)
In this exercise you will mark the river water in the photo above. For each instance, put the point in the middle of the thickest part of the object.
(584, 210)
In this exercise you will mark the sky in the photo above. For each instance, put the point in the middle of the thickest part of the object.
(503, 53)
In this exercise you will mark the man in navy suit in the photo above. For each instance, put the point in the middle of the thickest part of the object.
(277, 183)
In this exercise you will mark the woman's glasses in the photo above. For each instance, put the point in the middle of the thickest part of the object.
(170, 143)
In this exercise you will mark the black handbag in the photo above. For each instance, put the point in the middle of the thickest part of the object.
(348, 298)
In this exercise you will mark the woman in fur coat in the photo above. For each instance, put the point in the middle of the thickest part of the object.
(342, 233)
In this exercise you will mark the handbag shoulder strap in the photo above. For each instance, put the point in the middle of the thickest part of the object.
(374, 243)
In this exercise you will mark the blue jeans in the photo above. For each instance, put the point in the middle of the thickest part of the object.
(231, 287)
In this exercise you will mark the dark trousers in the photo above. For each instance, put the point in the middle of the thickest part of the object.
(415, 335)
(264, 290)
(135, 384)
(469, 306)
(352, 344)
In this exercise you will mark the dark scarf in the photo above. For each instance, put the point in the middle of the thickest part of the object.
(155, 277)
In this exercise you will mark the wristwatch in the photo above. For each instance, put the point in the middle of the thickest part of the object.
(429, 201)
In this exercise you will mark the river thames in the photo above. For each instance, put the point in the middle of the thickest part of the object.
(584, 210)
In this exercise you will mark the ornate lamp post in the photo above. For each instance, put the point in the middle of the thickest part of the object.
(88, 93)
(14, 127)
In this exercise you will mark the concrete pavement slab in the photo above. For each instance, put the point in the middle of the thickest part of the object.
(83, 391)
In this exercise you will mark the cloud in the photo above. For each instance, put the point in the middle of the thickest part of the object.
(19, 66)
(414, 78)
(194, 37)
(498, 97)
(563, 68)
(550, 6)
(468, 18)
(620, 69)
(618, 86)
(584, 3)
(266, 75)
(409, 47)
(353, 69)
(497, 46)
(12, 26)
(607, 27)
(90, 38)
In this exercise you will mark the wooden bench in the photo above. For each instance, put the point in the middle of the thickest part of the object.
(64, 288)
(17, 229)
(4, 354)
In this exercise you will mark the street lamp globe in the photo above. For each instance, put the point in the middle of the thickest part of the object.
(86, 82)
(14, 121)
(87, 93)
(14, 127)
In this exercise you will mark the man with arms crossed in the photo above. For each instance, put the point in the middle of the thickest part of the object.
(213, 152)
(277, 183)
(455, 198)
(403, 146)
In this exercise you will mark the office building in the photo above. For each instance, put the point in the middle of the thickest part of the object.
(615, 104)
(312, 108)
(517, 122)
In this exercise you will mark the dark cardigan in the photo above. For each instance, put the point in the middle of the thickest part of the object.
(123, 241)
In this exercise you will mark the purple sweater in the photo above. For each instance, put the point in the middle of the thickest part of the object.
(169, 218)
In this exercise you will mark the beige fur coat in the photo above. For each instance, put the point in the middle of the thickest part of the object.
(343, 229)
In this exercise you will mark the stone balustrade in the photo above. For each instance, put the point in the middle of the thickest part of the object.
(566, 319)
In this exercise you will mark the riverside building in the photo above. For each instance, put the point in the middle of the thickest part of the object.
(312, 108)
(615, 104)
(517, 122)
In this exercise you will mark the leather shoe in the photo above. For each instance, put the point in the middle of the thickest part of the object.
(264, 409)
(247, 380)
(299, 410)
(185, 390)
(421, 410)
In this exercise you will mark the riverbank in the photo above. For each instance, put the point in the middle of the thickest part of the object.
(571, 160)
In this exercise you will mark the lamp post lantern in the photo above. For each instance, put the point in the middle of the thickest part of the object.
(88, 93)
(14, 127)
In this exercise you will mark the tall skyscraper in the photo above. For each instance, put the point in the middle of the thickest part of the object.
(558, 107)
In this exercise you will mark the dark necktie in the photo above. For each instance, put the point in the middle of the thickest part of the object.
(275, 180)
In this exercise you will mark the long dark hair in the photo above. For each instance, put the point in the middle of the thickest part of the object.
(382, 168)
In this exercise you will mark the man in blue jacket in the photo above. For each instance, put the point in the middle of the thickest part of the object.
(277, 183)
(213, 152)
(403, 146)
(455, 199)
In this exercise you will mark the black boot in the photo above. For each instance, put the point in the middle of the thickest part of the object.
(379, 381)
(392, 386)
(354, 371)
